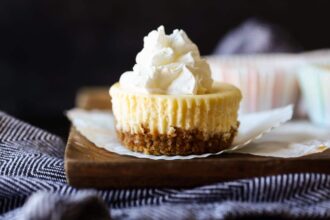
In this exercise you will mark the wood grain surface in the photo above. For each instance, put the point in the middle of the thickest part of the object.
(89, 166)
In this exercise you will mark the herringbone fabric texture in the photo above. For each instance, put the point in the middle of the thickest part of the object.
(31, 160)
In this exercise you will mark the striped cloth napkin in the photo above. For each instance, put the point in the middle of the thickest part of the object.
(33, 186)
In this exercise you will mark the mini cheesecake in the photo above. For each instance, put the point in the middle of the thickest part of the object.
(161, 124)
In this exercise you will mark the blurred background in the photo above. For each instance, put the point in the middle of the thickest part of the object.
(50, 49)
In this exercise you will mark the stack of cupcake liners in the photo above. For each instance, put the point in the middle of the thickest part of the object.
(266, 81)
(270, 81)
(314, 79)
(315, 85)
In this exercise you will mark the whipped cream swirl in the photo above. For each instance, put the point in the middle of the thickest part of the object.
(168, 64)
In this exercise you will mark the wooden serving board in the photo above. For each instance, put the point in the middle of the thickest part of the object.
(89, 166)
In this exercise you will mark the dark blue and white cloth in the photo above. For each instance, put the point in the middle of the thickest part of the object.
(33, 186)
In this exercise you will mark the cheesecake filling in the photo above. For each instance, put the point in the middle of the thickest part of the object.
(211, 114)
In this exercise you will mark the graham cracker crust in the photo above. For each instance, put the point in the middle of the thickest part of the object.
(181, 142)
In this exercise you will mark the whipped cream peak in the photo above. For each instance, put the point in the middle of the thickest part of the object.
(168, 64)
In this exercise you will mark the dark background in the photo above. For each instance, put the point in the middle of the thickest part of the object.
(51, 48)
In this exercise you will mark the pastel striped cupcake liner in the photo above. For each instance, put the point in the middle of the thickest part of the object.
(266, 81)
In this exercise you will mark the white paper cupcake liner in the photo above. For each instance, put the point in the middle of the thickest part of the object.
(293, 140)
(98, 127)
(266, 81)
(315, 84)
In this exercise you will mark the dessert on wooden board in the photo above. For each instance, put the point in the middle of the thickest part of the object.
(169, 104)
